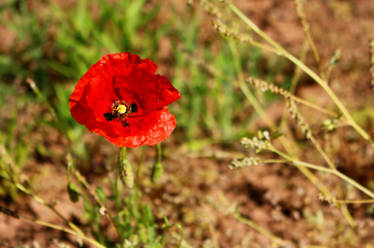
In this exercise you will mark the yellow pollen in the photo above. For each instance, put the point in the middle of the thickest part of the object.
(121, 109)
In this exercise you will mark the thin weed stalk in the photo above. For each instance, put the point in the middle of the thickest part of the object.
(86, 187)
(324, 169)
(331, 64)
(36, 90)
(305, 128)
(311, 177)
(250, 97)
(301, 14)
(11, 178)
(56, 227)
(371, 51)
(221, 28)
(16, 215)
(334, 201)
(81, 179)
(307, 131)
(304, 68)
(227, 208)
(226, 32)
(277, 242)
(294, 82)
(263, 85)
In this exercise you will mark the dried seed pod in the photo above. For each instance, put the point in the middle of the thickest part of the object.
(300, 121)
(157, 172)
(244, 162)
(264, 86)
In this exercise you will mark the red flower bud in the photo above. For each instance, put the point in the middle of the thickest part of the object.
(121, 98)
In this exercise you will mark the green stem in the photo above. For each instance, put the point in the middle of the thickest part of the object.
(139, 169)
(125, 169)
(159, 153)
(158, 168)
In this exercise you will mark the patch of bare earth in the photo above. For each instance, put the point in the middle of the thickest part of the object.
(197, 191)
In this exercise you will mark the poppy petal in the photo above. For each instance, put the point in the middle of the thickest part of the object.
(125, 78)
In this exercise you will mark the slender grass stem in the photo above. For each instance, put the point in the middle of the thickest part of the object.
(276, 240)
(53, 226)
(82, 180)
(228, 208)
(332, 166)
(323, 169)
(11, 172)
(36, 90)
(16, 215)
(306, 27)
(304, 68)
(214, 72)
(77, 174)
(367, 201)
(264, 47)
(255, 82)
(314, 106)
(307, 173)
(247, 93)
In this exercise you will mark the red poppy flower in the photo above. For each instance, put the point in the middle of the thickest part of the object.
(121, 98)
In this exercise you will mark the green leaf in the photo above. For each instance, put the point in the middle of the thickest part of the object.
(100, 193)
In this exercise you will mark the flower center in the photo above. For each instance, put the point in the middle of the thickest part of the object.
(120, 110)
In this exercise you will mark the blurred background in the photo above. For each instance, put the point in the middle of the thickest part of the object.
(54, 42)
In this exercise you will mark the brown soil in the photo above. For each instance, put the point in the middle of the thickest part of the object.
(198, 189)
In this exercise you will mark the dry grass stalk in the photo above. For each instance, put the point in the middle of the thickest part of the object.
(372, 62)
(301, 14)
(263, 85)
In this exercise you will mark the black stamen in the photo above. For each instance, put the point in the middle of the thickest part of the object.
(134, 108)
(109, 116)
(124, 122)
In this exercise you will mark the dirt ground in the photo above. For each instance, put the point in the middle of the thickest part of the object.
(198, 189)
